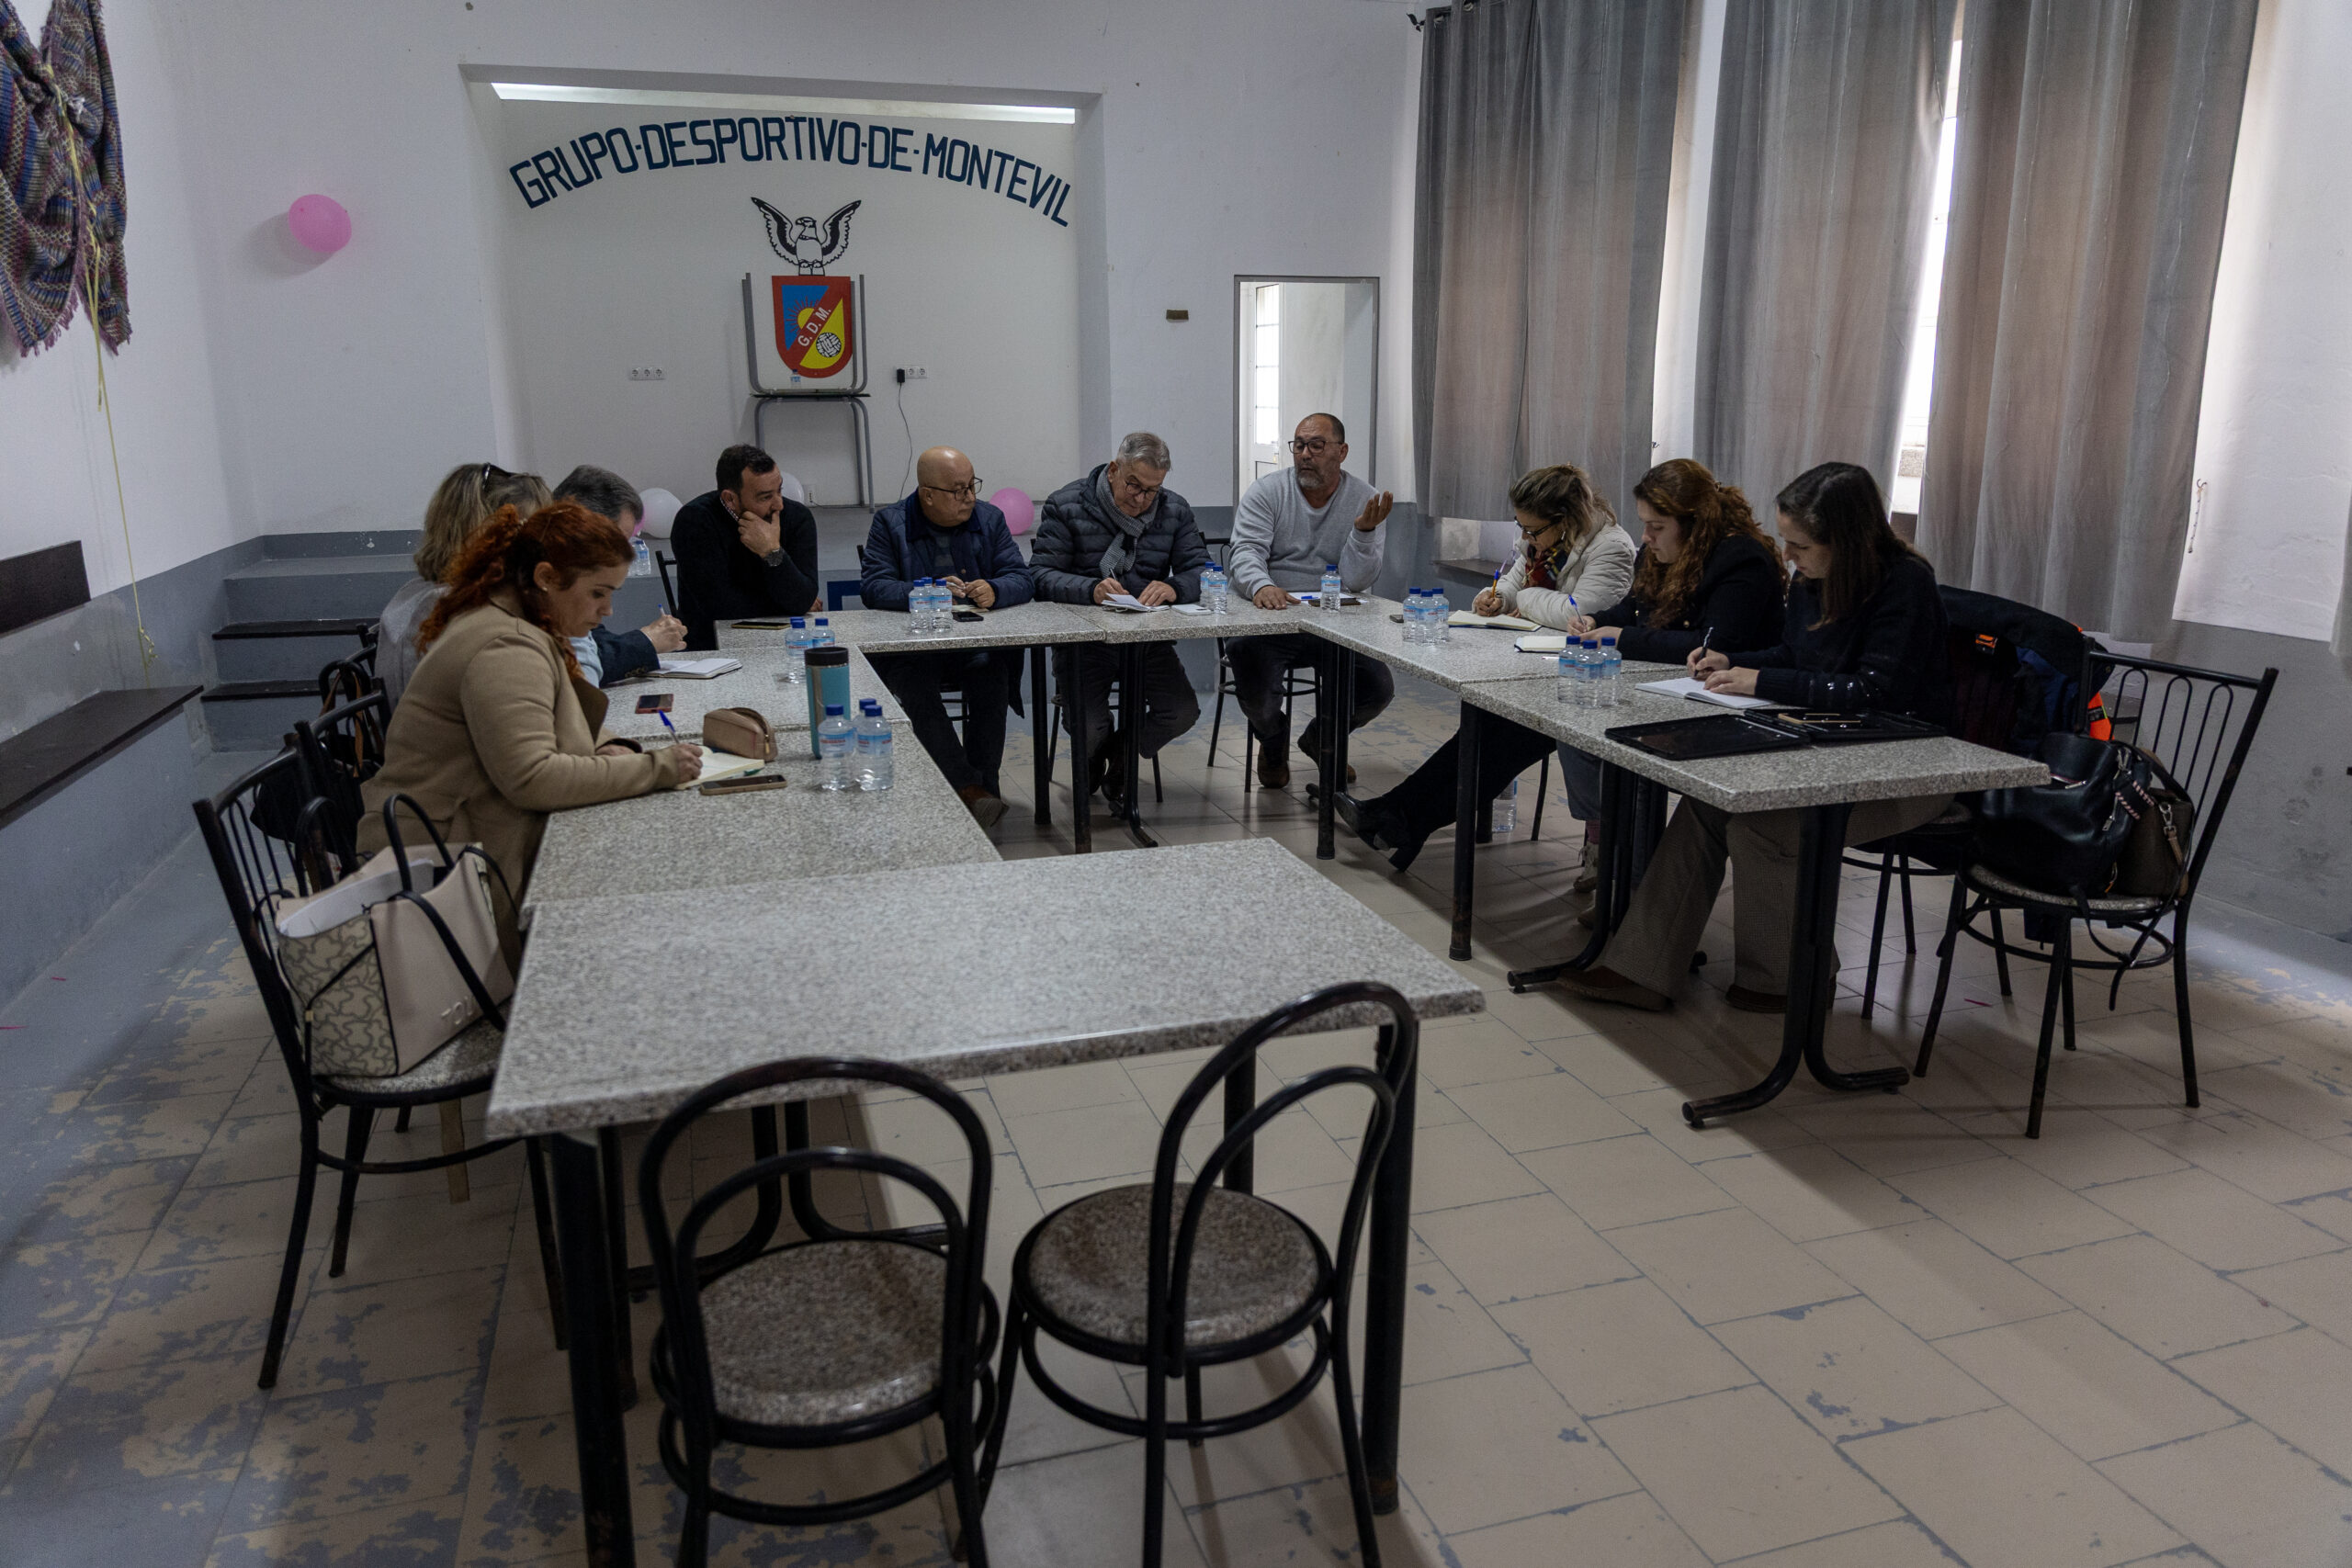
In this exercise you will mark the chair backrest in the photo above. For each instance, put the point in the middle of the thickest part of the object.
(2199, 723)
(257, 864)
(679, 1267)
(2018, 672)
(342, 750)
(662, 563)
(1174, 1233)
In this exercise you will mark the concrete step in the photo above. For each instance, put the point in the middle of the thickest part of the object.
(257, 714)
(311, 587)
(284, 651)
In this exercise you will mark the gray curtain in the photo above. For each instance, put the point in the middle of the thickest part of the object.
(1824, 168)
(1546, 141)
(2092, 174)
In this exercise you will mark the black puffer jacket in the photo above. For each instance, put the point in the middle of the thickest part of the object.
(1074, 528)
(1887, 655)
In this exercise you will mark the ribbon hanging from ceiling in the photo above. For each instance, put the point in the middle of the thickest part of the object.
(62, 206)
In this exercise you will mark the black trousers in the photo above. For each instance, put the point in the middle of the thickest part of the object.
(918, 679)
(1259, 664)
(1170, 706)
(1505, 752)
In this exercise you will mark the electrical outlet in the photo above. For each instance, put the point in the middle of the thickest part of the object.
(914, 373)
(646, 373)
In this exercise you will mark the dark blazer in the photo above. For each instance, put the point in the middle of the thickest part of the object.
(1888, 655)
(904, 545)
(1074, 528)
(1738, 598)
(623, 654)
(719, 579)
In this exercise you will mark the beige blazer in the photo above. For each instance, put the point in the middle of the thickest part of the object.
(493, 733)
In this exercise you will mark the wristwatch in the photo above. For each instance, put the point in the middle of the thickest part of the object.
(774, 557)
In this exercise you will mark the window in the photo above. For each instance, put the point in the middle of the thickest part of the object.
(1266, 376)
(1920, 384)
(1304, 345)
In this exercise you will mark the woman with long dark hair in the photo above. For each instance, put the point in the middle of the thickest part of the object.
(499, 727)
(1863, 632)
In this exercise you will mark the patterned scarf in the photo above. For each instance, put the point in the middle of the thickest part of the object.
(57, 118)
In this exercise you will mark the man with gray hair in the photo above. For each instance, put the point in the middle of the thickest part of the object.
(607, 657)
(1121, 531)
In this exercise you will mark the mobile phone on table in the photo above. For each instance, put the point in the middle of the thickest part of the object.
(654, 702)
(966, 613)
(744, 785)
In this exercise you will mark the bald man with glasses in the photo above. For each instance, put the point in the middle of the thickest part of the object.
(945, 531)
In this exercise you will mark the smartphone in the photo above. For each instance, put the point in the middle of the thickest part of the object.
(745, 784)
(964, 613)
(653, 702)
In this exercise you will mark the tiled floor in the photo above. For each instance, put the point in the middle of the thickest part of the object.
(1839, 1332)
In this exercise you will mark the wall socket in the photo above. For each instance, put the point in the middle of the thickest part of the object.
(914, 373)
(646, 373)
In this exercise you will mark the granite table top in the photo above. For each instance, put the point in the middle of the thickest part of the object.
(1171, 625)
(1470, 654)
(1768, 781)
(681, 840)
(759, 684)
(885, 631)
(627, 1005)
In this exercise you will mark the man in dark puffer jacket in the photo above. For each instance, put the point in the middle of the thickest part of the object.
(1119, 531)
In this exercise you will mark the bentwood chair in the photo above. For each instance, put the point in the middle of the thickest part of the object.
(2018, 674)
(821, 1342)
(1173, 1276)
(257, 866)
(2199, 724)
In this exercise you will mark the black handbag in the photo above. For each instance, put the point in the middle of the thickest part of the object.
(2068, 836)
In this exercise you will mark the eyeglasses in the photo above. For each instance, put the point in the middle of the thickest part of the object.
(1314, 445)
(490, 471)
(955, 492)
(1138, 490)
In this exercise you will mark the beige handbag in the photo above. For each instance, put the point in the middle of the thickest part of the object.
(740, 732)
(397, 959)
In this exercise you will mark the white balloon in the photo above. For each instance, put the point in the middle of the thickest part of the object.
(660, 511)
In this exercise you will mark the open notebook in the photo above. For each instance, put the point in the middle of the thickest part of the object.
(1502, 623)
(1696, 691)
(717, 765)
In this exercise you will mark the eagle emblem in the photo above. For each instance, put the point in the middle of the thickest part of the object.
(798, 241)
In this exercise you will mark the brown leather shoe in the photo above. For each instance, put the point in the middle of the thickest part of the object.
(1607, 986)
(986, 809)
(1746, 1000)
(1273, 767)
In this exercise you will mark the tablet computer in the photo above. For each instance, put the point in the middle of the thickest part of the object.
(1694, 740)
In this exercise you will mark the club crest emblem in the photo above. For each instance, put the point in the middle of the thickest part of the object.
(812, 325)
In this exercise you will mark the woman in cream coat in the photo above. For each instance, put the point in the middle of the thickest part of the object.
(497, 728)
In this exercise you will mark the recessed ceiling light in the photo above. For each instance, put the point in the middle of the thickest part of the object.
(553, 93)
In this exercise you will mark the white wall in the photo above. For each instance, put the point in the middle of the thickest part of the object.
(1235, 136)
(58, 477)
(2274, 440)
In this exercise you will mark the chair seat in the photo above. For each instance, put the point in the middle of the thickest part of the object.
(825, 1332)
(471, 1056)
(1254, 1266)
(1993, 882)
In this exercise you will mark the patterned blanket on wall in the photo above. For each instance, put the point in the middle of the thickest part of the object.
(60, 236)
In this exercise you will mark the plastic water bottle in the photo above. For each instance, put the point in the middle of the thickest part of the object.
(643, 564)
(833, 740)
(1331, 589)
(1215, 591)
(919, 608)
(1440, 617)
(1612, 673)
(822, 633)
(1571, 682)
(1505, 816)
(874, 769)
(1591, 661)
(795, 649)
(1416, 617)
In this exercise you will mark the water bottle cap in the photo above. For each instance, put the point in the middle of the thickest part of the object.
(798, 624)
(824, 622)
(1605, 642)
(832, 710)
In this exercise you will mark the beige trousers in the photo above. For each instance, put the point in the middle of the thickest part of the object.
(1670, 910)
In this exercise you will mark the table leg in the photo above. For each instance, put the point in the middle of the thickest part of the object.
(1326, 772)
(595, 1359)
(608, 1152)
(1081, 806)
(1465, 811)
(1240, 1099)
(1619, 795)
(1812, 981)
(1385, 1286)
(1131, 754)
(1041, 718)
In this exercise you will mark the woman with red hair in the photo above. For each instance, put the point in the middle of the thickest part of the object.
(497, 728)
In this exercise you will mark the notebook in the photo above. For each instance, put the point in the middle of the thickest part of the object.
(718, 765)
(1506, 623)
(1130, 604)
(1696, 691)
(699, 669)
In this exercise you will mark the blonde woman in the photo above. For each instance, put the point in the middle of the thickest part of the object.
(1572, 554)
(463, 502)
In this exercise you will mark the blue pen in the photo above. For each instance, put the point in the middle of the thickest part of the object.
(664, 714)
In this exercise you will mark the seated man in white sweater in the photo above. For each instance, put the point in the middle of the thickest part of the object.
(1287, 528)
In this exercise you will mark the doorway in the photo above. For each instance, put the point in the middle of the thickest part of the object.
(1305, 346)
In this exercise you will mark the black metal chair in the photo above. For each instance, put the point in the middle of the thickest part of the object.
(820, 1343)
(1175, 1276)
(1118, 704)
(341, 750)
(2016, 672)
(256, 867)
(663, 562)
(2190, 720)
(1297, 681)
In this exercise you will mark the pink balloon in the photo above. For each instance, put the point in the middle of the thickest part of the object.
(319, 222)
(1019, 511)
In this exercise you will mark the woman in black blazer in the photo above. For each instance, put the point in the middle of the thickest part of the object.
(1706, 574)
